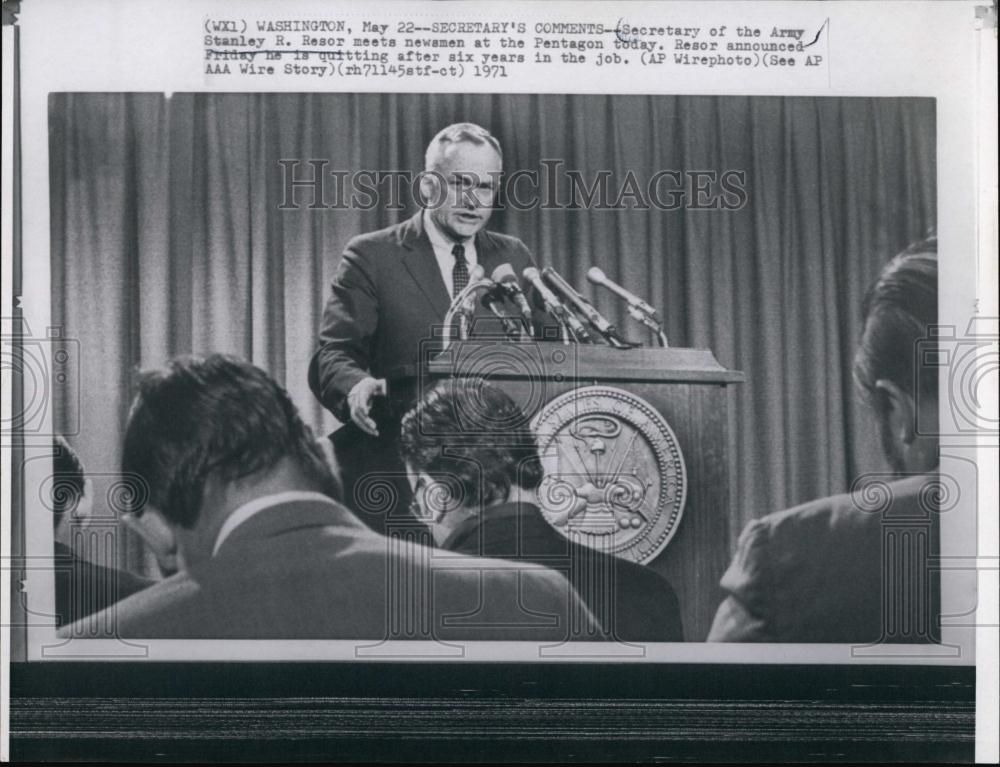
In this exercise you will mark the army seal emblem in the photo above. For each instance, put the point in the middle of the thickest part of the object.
(614, 474)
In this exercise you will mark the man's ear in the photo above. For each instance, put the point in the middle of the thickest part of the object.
(901, 412)
(431, 189)
(84, 510)
(438, 499)
(159, 535)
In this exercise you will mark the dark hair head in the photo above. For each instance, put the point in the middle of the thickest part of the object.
(899, 310)
(219, 417)
(469, 433)
(67, 480)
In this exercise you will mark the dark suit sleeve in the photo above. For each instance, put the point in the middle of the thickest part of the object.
(743, 615)
(671, 625)
(350, 320)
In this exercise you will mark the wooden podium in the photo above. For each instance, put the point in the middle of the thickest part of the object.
(611, 405)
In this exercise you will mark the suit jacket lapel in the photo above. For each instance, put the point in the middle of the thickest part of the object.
(422, 266)
(510, 530)
(487, 252)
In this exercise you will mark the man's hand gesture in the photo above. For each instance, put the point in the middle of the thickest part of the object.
(359, 401)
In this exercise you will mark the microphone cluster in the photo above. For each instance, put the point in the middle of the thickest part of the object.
(579, 320)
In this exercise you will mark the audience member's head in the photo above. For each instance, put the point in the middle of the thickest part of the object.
(208, 435)
(467, 446)
(891, 371)
(69, 493)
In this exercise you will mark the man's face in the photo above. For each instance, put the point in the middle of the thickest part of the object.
(160, 536)
(471, 175)
(429, 507)
(78, 517)
(905, 449)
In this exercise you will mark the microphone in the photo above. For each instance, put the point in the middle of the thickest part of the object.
(493, 299)
(638, 309)
(598, 277)
(504, 285)
(587, 309)
(506, 280)
(555, 307)
(477, 274)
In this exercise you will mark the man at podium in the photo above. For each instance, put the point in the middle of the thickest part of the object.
(392, 288)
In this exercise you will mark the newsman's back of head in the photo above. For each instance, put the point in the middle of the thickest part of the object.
(899, 310)
(472, 433)
(216, 416)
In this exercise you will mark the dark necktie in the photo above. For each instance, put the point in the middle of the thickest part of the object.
(460, 271)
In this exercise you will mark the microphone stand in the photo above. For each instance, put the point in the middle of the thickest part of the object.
(638, 309)
(569, 334)
(651, 322)
(574, 302)
(565, 332)
(513, 330)
(463, 305)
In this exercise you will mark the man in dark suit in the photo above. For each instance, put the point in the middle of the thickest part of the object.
(474, 467)
(240, 506)
(394, 286)
(82, 587)
(832, 570)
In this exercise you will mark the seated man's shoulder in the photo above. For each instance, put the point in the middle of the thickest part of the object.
(156, 611)
(459, 562)
(477, 598)
(842, 530)
(811, 572)
(458, 572)
(846, 514)
(647, 607)
(802, 535)
(645, 579)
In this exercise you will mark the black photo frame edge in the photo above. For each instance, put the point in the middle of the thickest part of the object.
(490, 712)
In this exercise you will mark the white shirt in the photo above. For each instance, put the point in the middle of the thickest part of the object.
(257, 505)
(442, 245)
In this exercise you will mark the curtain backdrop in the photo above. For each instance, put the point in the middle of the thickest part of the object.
(167, 237)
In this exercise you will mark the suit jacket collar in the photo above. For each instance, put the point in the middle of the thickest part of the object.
(506, 530)
(295, 515)
(422, 266)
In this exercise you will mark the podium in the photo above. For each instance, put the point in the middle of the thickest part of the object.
(635, 445)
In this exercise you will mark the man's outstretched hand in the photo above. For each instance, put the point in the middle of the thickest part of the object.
(359, 401)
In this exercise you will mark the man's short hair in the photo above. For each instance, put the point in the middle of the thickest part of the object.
(67, 480)
(469, 433)
(899, 310)
(454, 134)
(216, 416)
